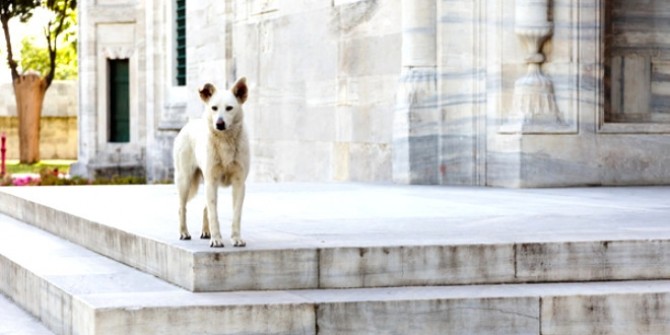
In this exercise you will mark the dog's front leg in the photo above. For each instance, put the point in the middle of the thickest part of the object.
(211, 189)
(238, 200)
(183, 229)
(205, 225)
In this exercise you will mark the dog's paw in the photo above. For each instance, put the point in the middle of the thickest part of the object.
(205, 235)
(216, 243)
(184, 236)
(238, 242)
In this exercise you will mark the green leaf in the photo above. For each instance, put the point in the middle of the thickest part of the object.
(37, 59)
(64, 37)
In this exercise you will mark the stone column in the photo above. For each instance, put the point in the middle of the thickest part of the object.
(416, 120)
(86, 116)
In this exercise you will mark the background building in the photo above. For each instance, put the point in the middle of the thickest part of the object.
(501, 93)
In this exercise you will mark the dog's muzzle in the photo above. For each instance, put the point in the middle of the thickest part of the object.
(220, 124)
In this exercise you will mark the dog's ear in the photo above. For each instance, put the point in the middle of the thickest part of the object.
(206, 92)
(240, 90)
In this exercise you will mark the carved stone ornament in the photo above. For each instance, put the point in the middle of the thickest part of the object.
(534, 106)
(117, 52)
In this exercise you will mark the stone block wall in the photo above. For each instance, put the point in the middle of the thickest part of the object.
(323, 78)
(58, 126)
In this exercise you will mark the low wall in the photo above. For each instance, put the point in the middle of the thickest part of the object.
(58, 136)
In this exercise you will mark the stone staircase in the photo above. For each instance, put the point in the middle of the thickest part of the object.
(342, 259)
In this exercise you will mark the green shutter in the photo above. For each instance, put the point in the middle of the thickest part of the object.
(181, 42)
(119, 101)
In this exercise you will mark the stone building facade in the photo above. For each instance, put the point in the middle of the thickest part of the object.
(525, 93)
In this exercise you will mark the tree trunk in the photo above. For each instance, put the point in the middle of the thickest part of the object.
(29, 90)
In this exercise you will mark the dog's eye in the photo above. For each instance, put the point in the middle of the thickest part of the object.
(215, 108)
(229, 108)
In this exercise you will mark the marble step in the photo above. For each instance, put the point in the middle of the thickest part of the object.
(319, 236)
(73, 290)
(15, 321)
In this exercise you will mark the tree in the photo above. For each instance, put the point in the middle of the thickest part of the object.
(30, 87)
(37, 58)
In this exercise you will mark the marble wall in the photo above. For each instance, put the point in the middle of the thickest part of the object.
(490, 137)
(512, 93)
(323, 78)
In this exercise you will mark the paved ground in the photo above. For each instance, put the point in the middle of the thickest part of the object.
(307, 215)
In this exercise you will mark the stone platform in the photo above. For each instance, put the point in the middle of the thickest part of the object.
(342, 259)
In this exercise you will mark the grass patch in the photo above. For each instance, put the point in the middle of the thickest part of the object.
(13, 166)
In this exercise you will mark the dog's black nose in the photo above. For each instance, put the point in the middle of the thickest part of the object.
(220, 124)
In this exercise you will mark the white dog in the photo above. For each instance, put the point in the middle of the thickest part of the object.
(214, 149)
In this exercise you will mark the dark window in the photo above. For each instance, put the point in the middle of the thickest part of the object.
(119, 101)
(637, 71)
(180, 15)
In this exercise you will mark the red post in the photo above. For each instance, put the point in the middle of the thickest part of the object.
(3, 150)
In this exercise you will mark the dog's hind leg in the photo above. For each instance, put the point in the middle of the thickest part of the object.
(205, 225)
(211, 188)
(187, 187)
(238, 200)
(183, 189)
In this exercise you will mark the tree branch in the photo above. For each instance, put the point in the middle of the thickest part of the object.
(10, 55)
(52, 40)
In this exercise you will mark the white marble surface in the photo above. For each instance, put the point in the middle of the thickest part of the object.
(16, 321)
(358, 235)
(76, 291)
